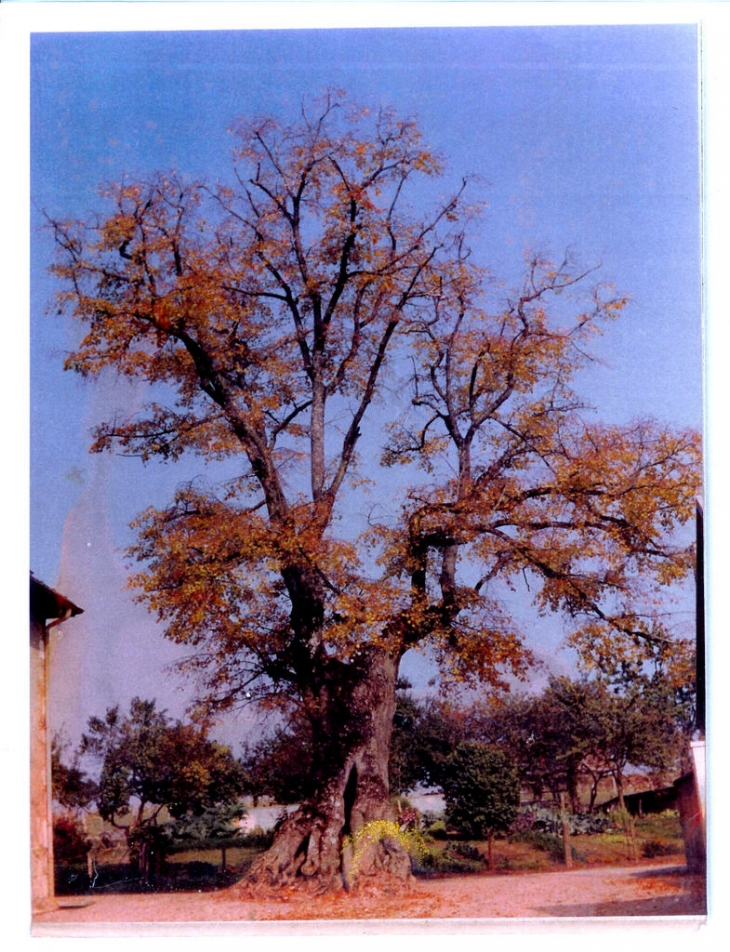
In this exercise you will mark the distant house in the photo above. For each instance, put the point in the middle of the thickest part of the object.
(646, 801)
(47, 609)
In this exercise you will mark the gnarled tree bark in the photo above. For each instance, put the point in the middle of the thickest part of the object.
(352, 719)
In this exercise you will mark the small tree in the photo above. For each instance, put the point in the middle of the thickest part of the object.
(482, 791)
(425, 734)
(607, 725)
(634, 724)
(71, 787)
(149, 763)
(279, 765)
(535, 732)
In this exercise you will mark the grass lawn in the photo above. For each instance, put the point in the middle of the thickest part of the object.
(655, 835)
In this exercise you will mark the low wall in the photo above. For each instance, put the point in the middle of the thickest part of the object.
(265, 818)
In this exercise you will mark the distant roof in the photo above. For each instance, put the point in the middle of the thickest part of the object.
(46, 603)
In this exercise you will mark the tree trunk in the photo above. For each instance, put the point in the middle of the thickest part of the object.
(353, 722)
(628, 821)
(572, 779)
(565, 829)
(594, 794)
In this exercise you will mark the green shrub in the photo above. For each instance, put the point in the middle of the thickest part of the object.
(545, 820)
(455, 858)
(481, 790)
(377, 831)
(465, 851)
(660, 825)
(70, 841)
(437, 830)
(652, 848)
(540, 840)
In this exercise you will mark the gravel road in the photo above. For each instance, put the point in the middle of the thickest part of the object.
(655, 890)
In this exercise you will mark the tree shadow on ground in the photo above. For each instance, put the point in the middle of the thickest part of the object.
(120, 878)
(671, 892)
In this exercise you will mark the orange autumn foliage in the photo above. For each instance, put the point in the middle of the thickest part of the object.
(267, 315)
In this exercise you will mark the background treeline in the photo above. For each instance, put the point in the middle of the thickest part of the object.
(567, 738)
(571, 736)
(165, 786)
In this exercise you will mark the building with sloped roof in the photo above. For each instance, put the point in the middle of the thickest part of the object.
(48, 608)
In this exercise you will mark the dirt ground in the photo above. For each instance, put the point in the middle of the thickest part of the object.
(648, 890)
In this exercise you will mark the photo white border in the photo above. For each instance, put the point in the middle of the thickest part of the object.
(20, 18)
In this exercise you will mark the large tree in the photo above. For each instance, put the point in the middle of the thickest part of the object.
(272, 316)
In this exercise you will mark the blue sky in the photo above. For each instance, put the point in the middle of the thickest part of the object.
(586, 138)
